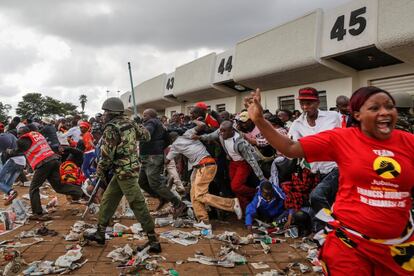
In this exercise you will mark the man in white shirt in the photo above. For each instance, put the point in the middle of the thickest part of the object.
(312, 121)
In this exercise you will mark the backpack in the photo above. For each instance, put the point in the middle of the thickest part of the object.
(70, 173)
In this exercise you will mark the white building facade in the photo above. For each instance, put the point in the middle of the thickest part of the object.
(365, 42)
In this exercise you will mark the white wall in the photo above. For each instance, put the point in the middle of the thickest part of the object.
(333, 89)
(366, 76)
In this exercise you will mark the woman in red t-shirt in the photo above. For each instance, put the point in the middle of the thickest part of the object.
(371, 231)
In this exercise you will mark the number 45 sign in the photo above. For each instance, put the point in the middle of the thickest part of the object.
(349, 27)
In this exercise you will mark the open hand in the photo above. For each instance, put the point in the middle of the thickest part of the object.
(254, 108)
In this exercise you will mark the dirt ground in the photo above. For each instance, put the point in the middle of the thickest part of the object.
(98, 264)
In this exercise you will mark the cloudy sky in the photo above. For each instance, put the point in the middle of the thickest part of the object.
(67, 48)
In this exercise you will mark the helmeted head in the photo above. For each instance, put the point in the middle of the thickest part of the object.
(112, 106)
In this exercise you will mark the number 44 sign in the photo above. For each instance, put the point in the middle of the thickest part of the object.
(349, 27)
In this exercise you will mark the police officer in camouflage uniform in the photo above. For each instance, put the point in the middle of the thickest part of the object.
(404, 103)
(119, 154)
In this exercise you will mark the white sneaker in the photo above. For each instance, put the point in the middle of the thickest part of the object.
(202, 225)
(237, 209)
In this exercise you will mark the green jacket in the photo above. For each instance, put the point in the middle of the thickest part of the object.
(119, 151)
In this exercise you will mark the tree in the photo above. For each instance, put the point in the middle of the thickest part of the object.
(83, 99)
(33, 104)
(4, 111)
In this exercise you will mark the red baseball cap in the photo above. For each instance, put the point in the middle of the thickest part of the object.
(84, 124)
(201, 105)
(308, 93)
(1, 126)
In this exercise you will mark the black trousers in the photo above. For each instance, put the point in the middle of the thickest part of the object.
(49, 171)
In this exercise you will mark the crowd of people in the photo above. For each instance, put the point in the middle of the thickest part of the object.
(341, 176)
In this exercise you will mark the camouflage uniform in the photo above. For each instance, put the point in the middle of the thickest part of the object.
(404, 122)
(119, 154)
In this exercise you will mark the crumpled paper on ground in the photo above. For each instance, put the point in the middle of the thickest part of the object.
(40, 231)
(180, 237)
(121, 254)
(77, 229)
(229, 260)
(234, 238)
(70, 257)
(63, 264)
(272, 272)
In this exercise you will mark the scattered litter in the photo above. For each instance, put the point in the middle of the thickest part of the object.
(234, 238)
(173, 272)
(260, 265)
(62, 265)
(201, 259)
(131, 264)
(12, 244)
(272, 272)
(53, 203)
(179, 262)
(121, 254)
(44, 231)
(231, 259)
(169, 210)
(180, 237)
(20, 209)
(120, 228)
(77, 229)
(15, 260)
(266, 248)
(235, 258)
(208, 233)
(303, 268)
(70, 257)
(42, 196)
(7, 219)
(292, 233)
(161, 222)
(269, 240)
(183, 223)
(136, 228)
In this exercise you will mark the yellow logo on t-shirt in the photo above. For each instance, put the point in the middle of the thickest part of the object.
(386, 167)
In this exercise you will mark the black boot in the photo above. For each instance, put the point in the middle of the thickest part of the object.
(98, 236)
(153, 243)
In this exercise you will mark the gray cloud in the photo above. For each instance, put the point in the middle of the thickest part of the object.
(97, 39)
(167, 25)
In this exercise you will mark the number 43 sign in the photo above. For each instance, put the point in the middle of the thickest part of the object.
(349, 27)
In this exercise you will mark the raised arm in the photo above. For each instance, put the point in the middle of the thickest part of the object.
(278, 141)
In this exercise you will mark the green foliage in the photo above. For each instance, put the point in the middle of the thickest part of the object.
(34, 104)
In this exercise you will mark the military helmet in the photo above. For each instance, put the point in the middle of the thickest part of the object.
(113, 104)
(402, 100)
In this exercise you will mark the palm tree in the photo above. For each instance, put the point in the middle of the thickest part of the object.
(83, 99)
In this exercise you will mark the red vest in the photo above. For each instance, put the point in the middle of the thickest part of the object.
(39, 150)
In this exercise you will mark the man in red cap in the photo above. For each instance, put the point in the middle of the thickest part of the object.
(201, 109)
(312, 121)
